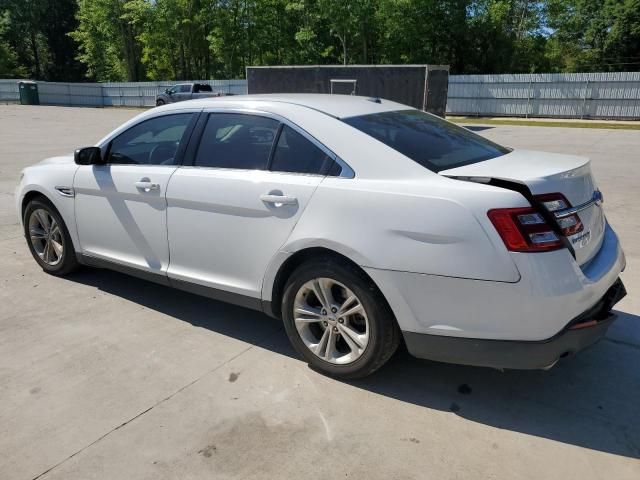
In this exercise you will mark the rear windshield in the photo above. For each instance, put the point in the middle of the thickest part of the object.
(432, 142)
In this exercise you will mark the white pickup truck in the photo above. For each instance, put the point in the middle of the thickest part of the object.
(186, 91)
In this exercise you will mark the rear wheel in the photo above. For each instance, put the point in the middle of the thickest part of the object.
(48, 238)
(338, 320)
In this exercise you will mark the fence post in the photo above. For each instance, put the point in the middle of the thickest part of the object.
(528, 98)
(584, 99)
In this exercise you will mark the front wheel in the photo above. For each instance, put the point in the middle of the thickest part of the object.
(48, 238)
(337, 319)
(159, 103)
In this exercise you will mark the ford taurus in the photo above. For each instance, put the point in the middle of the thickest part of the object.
(361, 223)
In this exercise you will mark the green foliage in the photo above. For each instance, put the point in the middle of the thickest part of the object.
(595, 35)
(22, 34)
(174, 37)
(9, 66)
(107, 34)
(34, 41)
(191, 39)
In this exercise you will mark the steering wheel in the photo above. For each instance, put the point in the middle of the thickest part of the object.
(163, 151)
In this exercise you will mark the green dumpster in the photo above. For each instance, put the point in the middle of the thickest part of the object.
(28, 93)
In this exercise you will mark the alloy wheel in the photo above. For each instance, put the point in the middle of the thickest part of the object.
(46, 237)
(331, 321)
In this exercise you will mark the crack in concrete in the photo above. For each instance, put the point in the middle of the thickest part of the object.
(258, 343)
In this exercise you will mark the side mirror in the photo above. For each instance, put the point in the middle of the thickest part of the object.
(88, 156)
(167, 91)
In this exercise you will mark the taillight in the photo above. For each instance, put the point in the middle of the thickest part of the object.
(524, 230)
(571, 224)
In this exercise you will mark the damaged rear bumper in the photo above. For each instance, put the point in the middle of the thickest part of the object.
(579, 333)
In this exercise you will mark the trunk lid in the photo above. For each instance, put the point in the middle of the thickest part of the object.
(546, 173)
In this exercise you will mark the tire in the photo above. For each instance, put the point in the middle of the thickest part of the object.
(52, 260)
(374, 321)
(159, 103)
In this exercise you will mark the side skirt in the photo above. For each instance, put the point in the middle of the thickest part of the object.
(162, 279)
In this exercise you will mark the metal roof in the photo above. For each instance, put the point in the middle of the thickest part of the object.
(339, 106)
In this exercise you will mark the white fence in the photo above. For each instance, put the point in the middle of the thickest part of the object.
(9, 91)
(612, 95)
(125, 94)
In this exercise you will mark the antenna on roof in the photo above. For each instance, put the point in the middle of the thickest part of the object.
(374, 99)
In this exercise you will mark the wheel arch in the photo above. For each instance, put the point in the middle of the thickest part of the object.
(32, 195)
(275, 290)
(63, 205)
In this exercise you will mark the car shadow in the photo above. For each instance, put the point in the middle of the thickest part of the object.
(118, 203)
(244, 324)
(590, 400)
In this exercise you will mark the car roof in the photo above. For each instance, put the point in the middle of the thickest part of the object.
(338, 106)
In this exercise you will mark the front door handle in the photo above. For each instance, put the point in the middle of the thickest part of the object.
(278, 200)
(146, 185)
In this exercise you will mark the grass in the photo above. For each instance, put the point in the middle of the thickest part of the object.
(538, 123)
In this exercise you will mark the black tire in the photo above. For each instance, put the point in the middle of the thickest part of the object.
(384, 334)
(68, 261)
(159, 103)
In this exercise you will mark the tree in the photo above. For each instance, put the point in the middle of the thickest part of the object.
(191, 39)
(35, 33)
(23, 34)
(107, 36)
(351, 23)
(595, 35)
(509, 36)
(60, 19)
(174, 38)
(9, 66)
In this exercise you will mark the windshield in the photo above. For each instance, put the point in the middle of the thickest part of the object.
(432, 142)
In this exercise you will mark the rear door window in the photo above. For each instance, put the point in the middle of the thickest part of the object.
(428, 140)
(296, 154)
(233, 140)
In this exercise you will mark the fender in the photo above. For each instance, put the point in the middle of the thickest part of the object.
(299, 245)
(64, 204)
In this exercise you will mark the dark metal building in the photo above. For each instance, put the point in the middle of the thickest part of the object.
(421, 86)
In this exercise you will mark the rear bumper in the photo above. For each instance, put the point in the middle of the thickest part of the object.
(581, 332)
(552, 290)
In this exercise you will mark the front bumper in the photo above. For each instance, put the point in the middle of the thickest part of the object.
(581, 332)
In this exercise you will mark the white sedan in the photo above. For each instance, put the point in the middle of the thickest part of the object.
(360, 222)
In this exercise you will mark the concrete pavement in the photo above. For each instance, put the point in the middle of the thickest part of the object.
(106, 376)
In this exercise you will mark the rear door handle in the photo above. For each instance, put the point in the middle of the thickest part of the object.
(278, 200)
(146, 185)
